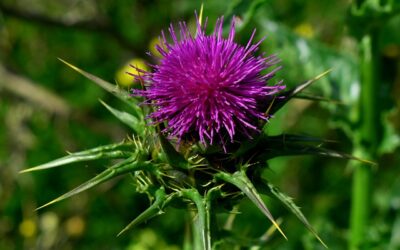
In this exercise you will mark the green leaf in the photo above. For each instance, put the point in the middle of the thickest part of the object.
(298, 149)
(263, 143)
(136, 124)
(390, 138)
(161, 200)
(293, 138)
(288, 202)
(395, 234)
(128, 165)
(111, 151)
(111, 88)
(269, 147)
(241, 181)
(174, 158)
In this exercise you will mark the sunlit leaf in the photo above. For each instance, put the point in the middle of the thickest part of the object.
(390, 137)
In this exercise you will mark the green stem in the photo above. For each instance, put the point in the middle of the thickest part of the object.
(202, 238)
(366, 143)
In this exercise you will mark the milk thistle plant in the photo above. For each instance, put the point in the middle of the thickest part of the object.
(199, 131)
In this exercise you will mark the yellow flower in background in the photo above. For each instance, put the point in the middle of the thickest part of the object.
(27, 228)
(125, 80)
(75, 226)
(305, 30)
(152, 47)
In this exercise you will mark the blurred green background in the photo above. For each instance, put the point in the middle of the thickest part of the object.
(47, 109)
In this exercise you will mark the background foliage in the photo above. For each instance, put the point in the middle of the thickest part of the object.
(47, 109)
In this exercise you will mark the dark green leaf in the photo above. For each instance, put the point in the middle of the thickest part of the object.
(269, 147)
(174, 158)
(263, 143)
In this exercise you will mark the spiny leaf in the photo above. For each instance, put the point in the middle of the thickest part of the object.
(128, 165)
(130, 120)
(111, 151)
(264, 142)
(112, 88)
(284, 97)
(288, 202)
(109, 147)
(161, 200)
(298, 149)
(78, 158)
(293, 138)
(240, 180)
(202, 220)
(174, 158)
(268, 147)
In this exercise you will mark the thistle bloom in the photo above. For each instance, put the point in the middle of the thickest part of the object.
(209, 87)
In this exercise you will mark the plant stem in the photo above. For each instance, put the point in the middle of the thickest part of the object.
(360, 206)
(366, 143)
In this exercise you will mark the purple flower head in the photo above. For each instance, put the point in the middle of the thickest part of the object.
(209, 87)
